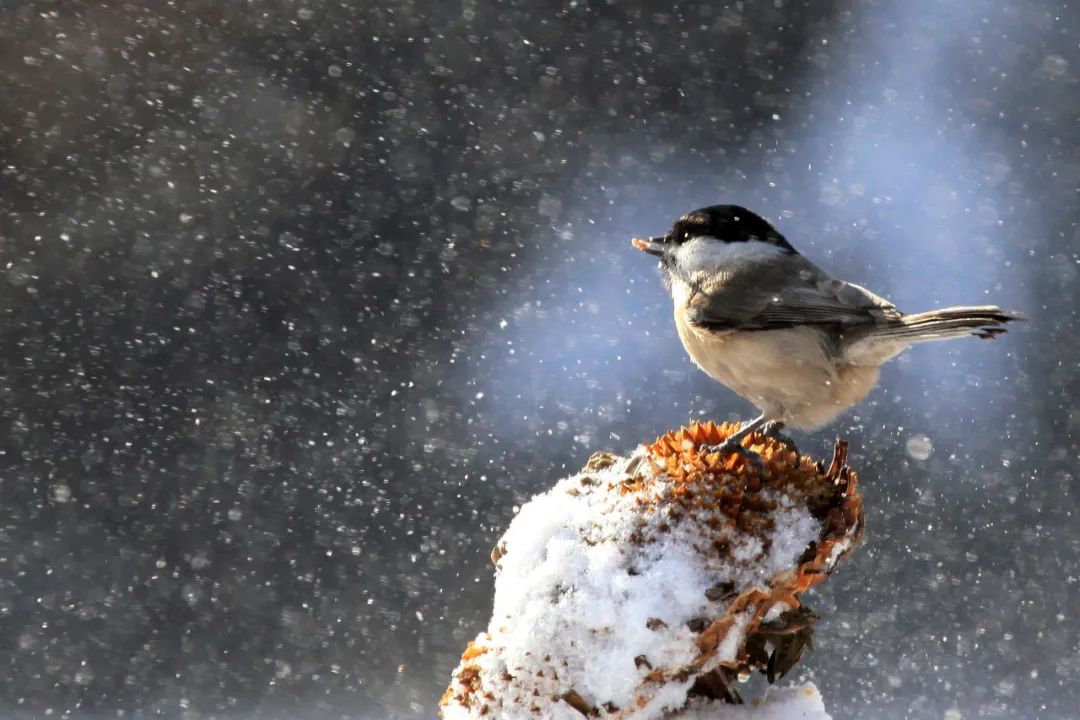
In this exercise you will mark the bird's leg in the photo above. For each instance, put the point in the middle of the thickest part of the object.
(773, 429)
(733, 443)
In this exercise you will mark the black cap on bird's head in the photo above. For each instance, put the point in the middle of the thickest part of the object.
(727, 223)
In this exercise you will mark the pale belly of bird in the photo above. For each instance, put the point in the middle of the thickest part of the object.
(788, 374)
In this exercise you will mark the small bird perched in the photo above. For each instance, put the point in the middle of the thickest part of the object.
(763, 320)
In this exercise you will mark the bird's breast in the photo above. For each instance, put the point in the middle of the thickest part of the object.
(790, 374)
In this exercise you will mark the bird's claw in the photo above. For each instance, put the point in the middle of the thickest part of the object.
(773, 429)
(735, 446)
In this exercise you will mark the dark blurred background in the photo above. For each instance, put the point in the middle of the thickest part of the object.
(299, 299)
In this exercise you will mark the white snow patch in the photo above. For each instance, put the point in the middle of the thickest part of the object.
(802, 702)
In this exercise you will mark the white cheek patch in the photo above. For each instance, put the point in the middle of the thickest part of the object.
(708, 253)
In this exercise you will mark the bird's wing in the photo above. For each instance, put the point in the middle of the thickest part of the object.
(771, 295)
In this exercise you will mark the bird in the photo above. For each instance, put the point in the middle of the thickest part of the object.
(759, 317)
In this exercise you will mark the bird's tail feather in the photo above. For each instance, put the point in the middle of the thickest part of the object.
(984, 321)
(885, 342)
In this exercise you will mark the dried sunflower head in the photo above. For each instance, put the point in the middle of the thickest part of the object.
(641, 581)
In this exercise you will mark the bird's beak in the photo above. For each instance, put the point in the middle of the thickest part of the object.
(653, 245)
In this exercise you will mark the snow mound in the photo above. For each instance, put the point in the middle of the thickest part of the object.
(643, 581)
